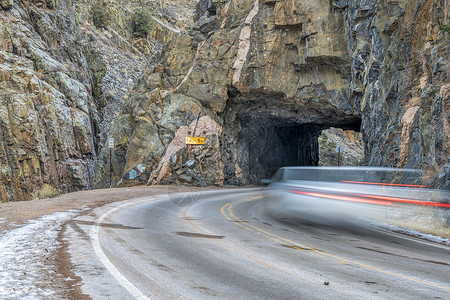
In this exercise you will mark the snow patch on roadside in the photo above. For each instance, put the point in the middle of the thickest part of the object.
(23, 253)
(413, 233)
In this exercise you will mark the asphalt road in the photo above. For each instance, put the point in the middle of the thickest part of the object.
(228, 244)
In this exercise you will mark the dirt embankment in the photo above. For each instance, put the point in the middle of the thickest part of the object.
(14, 214)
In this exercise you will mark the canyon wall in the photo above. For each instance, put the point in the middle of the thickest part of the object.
(260, 79)
(62, 82)
(49, 100)
(400, 76)
(254, 73)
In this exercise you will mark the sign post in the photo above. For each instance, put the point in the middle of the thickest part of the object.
(338, 151)
(110, 146)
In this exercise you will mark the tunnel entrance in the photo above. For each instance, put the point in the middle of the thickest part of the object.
(267, 132)
(272, 146)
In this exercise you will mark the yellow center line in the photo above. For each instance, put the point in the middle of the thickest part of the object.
(187, 219)
(254, 198)
(316, 252)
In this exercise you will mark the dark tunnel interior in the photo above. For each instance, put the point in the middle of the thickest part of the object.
(271, 147)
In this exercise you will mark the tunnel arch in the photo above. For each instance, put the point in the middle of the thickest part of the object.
(265, 131)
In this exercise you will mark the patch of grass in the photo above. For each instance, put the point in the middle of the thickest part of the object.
(99, 15)
(46, 191)
(445, 27)
(219, 3)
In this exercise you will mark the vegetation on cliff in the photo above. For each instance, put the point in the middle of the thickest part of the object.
(445, 27)
(100, 16)
(140, 23)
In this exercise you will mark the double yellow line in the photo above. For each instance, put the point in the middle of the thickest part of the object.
(227, 212)
(232, 217)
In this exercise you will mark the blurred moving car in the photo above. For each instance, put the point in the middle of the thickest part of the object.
(336, 193)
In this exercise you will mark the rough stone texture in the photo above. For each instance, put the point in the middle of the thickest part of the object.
(444, 177)
(168, 19)
(266, 70)
(263, 71)
(62, 82)
(263, 78)
(48, 110)
(400, 75)
(6, 4)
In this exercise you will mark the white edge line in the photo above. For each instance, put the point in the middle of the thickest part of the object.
(107, 263)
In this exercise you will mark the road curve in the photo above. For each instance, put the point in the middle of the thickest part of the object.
(227, 244)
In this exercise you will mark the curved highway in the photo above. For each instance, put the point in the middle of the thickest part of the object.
(229, 244)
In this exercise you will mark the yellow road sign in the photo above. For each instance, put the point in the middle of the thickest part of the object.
(195, 140)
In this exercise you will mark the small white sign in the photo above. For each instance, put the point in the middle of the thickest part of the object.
(111, 143)
(339, 149)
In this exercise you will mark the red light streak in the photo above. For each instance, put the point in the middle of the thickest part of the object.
(343, 198)
(372, 199)
(409, 201)
(389, 184)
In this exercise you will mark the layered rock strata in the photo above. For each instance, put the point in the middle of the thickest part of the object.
(260, 79)
(50, 102)
(63, 81)
(264, 71)
(400, 75)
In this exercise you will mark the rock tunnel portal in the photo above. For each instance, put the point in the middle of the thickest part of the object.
(262, 135)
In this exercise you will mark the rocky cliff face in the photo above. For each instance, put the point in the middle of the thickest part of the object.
(49, 100)
(400, 76)
(264, 77)
(62, 81)
(260, 79)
